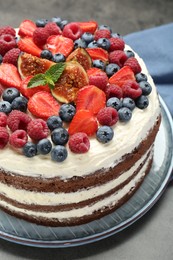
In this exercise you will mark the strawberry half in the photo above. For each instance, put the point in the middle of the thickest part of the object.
(120, 77)
(90, 98)
(9, 75)
(43, 105)
(89, 26)
(98, 54)
(83, 121)
(26, 28)
(60, 44)
(26, 44)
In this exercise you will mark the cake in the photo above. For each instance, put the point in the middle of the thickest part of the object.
(79, 146)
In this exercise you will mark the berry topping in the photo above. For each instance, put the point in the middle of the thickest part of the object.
(5, 107)
(72, 31)
(98, 78)
(116, 44)
(102, 33)
(19, 103)
(7, 30)
(80, 43)
(87, 37)
(54, 122)
(41, 22)
(119, 57)
(122, 76)
(146, 88)
(114, 91)
(114, 102)
(83, 121)
(90, 98)
(7, 42)
(26, 28)
(11, 56)
(103, 43)
(52, 28)
(27, 44)
(111, 69)
(125, 114)
(3, 119)
(105, 27)
(18, 138)
(98, 54)
(67, 112)
(107, 116)
(9, 94)
(46, 54)
(58, 57)
(99, 64)
(44, 146)
(18, 120)
(60, 136)
(30, 149)
(129, 53)
(59, 153)
(40, 36)
(128, 102)
(142, 102)
(141, 77)
(60, 44)
(9, 75)
(4, 137)
(133, 64)
(88, 26)
(79, 143)
(104, 134)
(131, 89)
(37, 129)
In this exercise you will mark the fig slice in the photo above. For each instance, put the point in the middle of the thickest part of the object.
(72, 79)
(81, 55)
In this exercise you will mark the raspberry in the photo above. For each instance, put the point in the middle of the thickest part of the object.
(3, 119)
(118, 57)
(7, 42)
(107, 116)
(7, 30)
(18, 120)
(72, 31)
(4, 137)
(40, 36)
(18, 138)
(37, 129)
(11, 56)
(116, 44)
(79, 143)
(99, 79)
(131, 89)
(114, 91)
(103, 33)
(53, 29)
(133, 64)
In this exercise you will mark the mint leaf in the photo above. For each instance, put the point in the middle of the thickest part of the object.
(37, 80)
(49, 81)
(55, 71)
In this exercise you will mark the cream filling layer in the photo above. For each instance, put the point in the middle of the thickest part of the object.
(87, 210)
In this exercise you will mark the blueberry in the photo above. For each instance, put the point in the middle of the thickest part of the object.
(9, 94)
(46, 54)
(60, 136)
(54, 122)
(104, 27)
(5, 107)
(99, 64)
(41, 22)
(116, 35)
(58, 57)
(129, 53)
(62, 24)
(104, 134)
(19, 103)
(125, 114)
(111, 69)
(80, 43)
(114, 102)
(141, 77)
(93, 44)
(128, 102)
(30, 149)
(44, 146)
(1, 58)
(56, 20)
(59, 153)
(142, 102)
(103, 43)
(87, 37)
(146, 88)
(66, 112)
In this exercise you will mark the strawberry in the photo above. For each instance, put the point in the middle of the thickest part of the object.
(124, 74)
(91, 98)
(89, 26)
(83, 121)
(60, 44)
(26, 28)
(9, 75)
(43, 105)
(98, 54)
(26, 44)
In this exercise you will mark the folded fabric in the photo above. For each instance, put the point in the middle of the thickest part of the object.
(155, 46)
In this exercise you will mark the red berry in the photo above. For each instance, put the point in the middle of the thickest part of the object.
(103, 33)
(11, 56)
(119, 57)
(40, 36)
(4, 137)
(114, 91)
(116, 44)
(131, 89)
(121, 76)
(37, 129)
(18, 120)
(133, 63)
(7, 42)
(7, 30)
(52, 29)
(98, 78)
(18, 138)
(3, 119)
(107, 116)
(72, 31)
(79, 143)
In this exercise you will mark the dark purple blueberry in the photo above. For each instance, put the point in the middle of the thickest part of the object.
(93, 44)
(46, 54)
(128, 102)
(30, 149)
(99, 64)
(58, 57)
(129, 53)
(116, 35)
(125, 114)
(1, 58)
(142, 102)
(62, 24)
(67, 112)
(60, 136)
(41, 22)
(44, 146)
(20, 103)
(54, 122)
(80, 43)
(104, 134)
(9, 94)
(141, 77)
(104, 27)
(56, 20)
(146, 88)
(103, 43)
(114, 102)
(5, 107)
(87, 37)
(59, 153)
(111, 69)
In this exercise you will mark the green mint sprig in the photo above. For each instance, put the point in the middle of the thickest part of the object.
(49, 77)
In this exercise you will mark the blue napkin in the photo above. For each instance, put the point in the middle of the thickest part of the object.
(155, 46)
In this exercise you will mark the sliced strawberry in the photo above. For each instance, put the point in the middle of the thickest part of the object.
(124, 74)
(43, 105)
(83, 121)
(98, 54)
(29, 92)
(26, 28)
(60, 44)
(9, 75)
(26, 44)
(89, 26)
(90, 98)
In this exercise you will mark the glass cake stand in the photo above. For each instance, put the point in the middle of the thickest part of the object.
(22, 232)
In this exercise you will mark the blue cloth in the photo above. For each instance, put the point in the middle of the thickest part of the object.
(155, 46)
